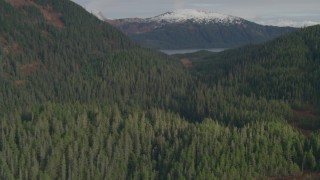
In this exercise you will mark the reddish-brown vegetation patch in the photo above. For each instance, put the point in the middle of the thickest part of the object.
(305, 120)
(28, 69)
(186, 62)
(303, 131)
(19, 82)
(51, 17)
(305, 113)
(299, 177)
(15, 47)
(8, 47)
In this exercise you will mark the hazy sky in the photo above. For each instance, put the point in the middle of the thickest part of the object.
(277, 12)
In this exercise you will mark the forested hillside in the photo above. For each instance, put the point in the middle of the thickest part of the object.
(84, 60)
(79, 100)
(284, 69)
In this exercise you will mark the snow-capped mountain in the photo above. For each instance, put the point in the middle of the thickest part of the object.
(196, 16)
(188, 28)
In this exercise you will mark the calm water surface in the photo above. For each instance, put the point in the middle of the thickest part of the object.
(183, 51)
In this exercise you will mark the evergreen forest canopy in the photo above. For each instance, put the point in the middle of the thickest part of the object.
(79, 100)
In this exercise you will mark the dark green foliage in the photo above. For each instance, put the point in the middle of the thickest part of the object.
(63, 141)
(84, 102)
(286, 68)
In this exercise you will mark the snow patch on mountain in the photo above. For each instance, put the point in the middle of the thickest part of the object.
(197, 16)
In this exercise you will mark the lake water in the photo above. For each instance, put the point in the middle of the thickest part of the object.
(183, 51)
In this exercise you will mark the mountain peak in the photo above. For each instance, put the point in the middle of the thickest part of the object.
(199, 16)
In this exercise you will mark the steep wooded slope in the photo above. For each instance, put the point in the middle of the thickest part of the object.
(81, 60)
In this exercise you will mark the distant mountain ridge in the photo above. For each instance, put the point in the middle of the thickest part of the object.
(189, 28)
(196, 16)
